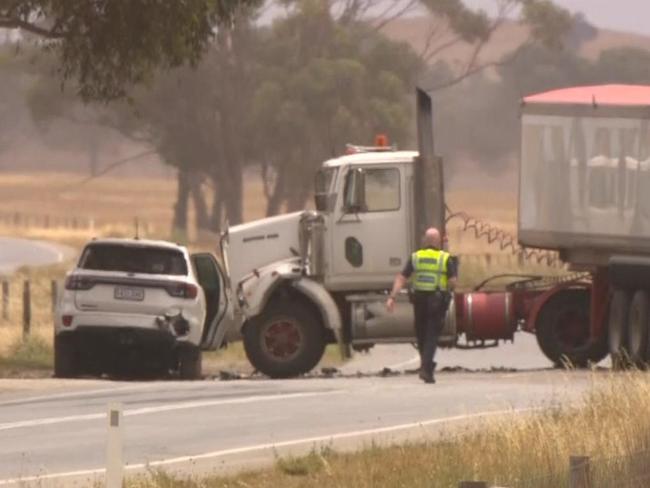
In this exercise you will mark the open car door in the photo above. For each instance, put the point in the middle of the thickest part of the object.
(212, 279)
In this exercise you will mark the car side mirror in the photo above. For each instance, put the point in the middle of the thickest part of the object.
(355, 191)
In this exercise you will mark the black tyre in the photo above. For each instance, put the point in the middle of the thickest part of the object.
(637, 331)
(563, 330)
(190, 361)
(287, 339)
(65, 361)
(617, 328)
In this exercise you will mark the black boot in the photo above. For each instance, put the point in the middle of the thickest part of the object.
(426, 373)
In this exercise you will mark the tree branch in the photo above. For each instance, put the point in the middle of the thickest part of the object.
(14, 23)
(477, 69)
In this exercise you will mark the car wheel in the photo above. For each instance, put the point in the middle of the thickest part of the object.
(190, 363)
(64, 358)
(287, 339)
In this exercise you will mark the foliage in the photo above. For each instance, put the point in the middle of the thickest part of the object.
(281, 97)
(106, 46)
(479, 119)
(324, 85)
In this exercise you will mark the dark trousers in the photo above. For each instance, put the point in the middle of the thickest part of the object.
(429, 310)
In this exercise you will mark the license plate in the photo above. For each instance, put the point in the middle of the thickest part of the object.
(129, 293)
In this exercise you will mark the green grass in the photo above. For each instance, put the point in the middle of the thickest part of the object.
(31, 354)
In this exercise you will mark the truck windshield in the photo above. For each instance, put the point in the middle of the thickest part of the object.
(133, 259)
(323, 184)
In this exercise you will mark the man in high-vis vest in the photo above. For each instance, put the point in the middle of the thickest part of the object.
(432, 274)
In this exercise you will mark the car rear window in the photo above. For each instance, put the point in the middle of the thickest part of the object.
(133, 259)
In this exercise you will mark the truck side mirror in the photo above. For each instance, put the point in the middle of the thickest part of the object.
(355, 191)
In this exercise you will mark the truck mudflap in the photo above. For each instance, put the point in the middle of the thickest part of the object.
(328, 309)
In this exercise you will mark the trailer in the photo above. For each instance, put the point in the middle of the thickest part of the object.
(293, 283)
(584, 192)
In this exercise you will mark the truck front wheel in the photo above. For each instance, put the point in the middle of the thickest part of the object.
(286, 340)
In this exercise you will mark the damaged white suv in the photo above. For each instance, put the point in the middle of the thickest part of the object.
(136, 306)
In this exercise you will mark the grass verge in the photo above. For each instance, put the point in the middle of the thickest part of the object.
(529, 451)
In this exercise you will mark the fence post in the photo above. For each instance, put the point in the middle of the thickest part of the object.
(472, 484)
(5, 300)
(54, 294)
(27, 309)
(579, 468)
(114, 464)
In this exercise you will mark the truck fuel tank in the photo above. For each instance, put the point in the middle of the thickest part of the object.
(372, 323)
(486, 316)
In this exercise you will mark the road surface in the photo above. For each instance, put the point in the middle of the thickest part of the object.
(60, 433)
(15, 253)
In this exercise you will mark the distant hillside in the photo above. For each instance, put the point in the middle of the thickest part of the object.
(414, 31)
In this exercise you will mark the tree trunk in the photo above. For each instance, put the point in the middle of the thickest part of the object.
(277, 196)
(217, 210)
(298, 194)
(200, 207)
(234, 196)
(179, 223)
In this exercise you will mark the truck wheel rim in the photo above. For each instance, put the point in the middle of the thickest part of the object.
(282, 339)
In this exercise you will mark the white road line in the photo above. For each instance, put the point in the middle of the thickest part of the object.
(79, 393)
(276, 445)
(163, 408)
(413, 360)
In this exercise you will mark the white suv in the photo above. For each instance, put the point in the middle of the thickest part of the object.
(134, 305)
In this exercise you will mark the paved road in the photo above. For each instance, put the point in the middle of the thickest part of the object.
(215, 423)
(523, 354)
(15, 253)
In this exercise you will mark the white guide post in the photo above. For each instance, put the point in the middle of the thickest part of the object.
(114, 464)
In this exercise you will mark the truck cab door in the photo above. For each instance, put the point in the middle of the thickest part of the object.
(212, 279)
(369, 232)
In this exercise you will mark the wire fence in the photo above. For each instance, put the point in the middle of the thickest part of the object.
(28, 303)
(21, 220)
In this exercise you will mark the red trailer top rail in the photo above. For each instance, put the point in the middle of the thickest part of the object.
(611, 95)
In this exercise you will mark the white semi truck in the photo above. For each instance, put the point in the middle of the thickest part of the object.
(296, 282)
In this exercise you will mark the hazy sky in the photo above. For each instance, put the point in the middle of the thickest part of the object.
(626, 15)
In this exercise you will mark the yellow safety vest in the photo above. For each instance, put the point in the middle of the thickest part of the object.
(429, 270)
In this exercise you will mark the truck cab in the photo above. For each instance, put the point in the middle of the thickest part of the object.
(365, 199)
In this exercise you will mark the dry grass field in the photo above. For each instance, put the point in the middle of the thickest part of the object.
(57, 207)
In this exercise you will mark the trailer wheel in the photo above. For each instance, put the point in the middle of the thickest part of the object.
(286, 340)
(637, 334)
(65, 361)
(563, 330)
(617, 328)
